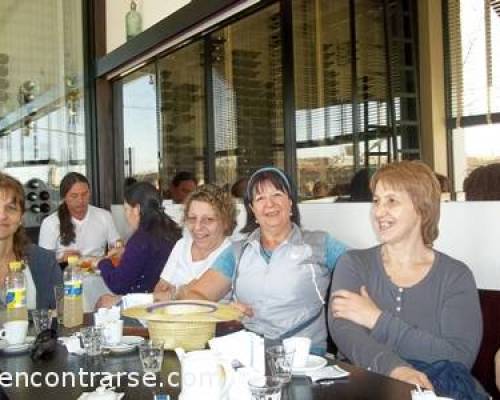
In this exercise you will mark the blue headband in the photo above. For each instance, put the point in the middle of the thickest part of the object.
(275, 170)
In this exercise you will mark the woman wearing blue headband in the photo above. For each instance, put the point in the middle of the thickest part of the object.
(279, 273)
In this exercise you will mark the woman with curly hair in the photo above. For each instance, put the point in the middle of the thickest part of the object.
(210, 218)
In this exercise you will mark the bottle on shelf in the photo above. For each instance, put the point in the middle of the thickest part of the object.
(32, 196)
(73, 288)
(15, 293)
(133, 21)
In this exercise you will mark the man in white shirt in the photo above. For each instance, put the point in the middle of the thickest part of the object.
(77, 228)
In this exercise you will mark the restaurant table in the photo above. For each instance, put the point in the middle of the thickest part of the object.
(360, 385)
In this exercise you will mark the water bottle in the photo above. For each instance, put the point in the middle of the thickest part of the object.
(15, 293)
(73, 291)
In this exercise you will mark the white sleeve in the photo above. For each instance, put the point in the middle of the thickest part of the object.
(49, 234)
(173, 263)
(112, 233)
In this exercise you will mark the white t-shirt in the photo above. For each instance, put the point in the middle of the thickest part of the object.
(93, 233)
(180, 268)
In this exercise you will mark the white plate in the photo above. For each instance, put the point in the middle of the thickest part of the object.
(127, 344)
(313, 363)
(19, 348)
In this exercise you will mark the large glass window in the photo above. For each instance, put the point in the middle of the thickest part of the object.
(355, 90)
(140, 125)
(248, 106)
(182, 113)
(474, 84)
(41, 92)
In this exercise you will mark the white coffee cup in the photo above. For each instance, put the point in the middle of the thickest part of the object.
(113, 332)
(302, 345)
(15, 331)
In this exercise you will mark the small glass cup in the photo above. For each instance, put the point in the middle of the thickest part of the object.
(59, 297)
(280, 362)
(151, 354)
(265, 388)
(41, 320)
(92, 339)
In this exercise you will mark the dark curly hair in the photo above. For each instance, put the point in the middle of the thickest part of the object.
(66, 227)
(10, 185)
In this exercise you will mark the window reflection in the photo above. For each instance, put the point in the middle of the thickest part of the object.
(335, 138)
(182, 113)
(41, 90)
(248, 109)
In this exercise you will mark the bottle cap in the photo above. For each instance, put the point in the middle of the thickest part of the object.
(73, 260)
(15, 265)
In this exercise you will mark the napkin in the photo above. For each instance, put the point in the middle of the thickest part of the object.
(73, 344)
(243, 346)
(105, 315)
(426, 395)
(137, 299)
(99, 393)
(330, 372)
(239, 388)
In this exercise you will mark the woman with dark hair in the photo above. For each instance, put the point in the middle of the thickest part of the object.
(280, 273)
(41, 272)
(483, 183)
(77, 228)
(147, 250)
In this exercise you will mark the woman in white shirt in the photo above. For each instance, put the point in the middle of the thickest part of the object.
(210, 218)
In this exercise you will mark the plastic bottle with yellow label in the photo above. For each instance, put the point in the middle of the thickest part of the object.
(15, 293)
(73, 292)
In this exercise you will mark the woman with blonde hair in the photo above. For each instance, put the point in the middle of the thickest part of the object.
(402, 304)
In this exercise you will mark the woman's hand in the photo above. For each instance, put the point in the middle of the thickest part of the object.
(245, 309)
(412, 376)
(107, 301)
(358, 308)
(115, 252)
(164, 291)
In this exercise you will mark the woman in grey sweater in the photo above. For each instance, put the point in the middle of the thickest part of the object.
(403, 300)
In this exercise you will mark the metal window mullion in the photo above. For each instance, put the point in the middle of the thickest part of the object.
(288, 83)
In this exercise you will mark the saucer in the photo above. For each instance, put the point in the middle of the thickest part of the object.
(313, 363)
(128, 343)
(21, 347)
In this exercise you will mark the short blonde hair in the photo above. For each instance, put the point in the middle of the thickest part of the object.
(221, 201)
(421, 184)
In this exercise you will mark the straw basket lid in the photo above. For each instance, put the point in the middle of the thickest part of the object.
(184, 311)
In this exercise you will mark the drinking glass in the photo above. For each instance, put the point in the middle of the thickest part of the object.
(41, 320)
(151, 354)
(280, 362)
(59, 297)
(265, 388)
(92, 339)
